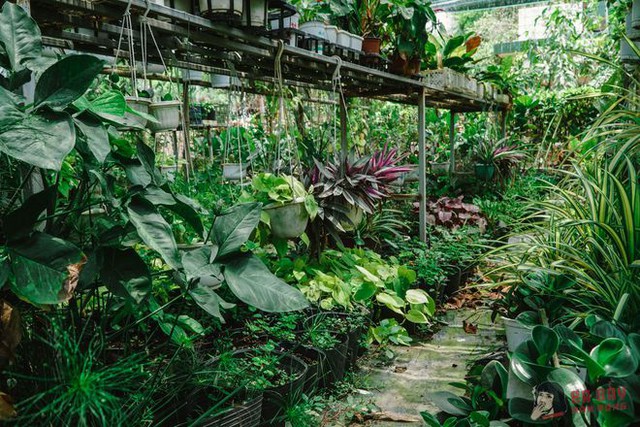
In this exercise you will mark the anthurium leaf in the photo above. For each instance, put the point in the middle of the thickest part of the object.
(209, 301)
(66, 80)
(365, 291)
(125, 273)
(96, 136)
(232, 229)
(154, 230)
(41, 265)
(450, 403)
(19, 36)
(252, 282)
(546, 342)
(615, 357)
(416, 316)
(42, 140)
(197, 264)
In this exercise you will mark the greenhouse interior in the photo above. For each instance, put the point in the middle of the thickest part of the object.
(301, 213)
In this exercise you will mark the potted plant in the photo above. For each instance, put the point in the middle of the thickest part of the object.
(166, 112)
(222, 9)
(279, 375)
(236, 154)
(196, 114)
(209, 114)
(410, 36)
(485, 167)
(287, 204)
(329, 334)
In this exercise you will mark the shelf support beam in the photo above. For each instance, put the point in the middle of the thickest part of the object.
(452, 143)
(422, 166)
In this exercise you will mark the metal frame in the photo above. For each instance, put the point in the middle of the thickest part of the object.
(209, 45)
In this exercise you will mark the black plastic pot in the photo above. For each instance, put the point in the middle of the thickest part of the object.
(354, 335)
(337, 356)
(277, 399)
(318, 367)
(246, 414)
(196, 114)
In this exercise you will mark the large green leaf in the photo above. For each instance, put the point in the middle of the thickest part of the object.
(109, 105)
(66, 80)
(148, 159)
(96, 136)
(209, 301)
(188, 209)
(42, 140)
(615, 357)
(253, 283)
(9, 111)
(19, 36)
(20, 222)
(40, 267)
(125, 273)
(154, 230)
(450, 403)
(232, 229)
(546, 341)
(197, 263)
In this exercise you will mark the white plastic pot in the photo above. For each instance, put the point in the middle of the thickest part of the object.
(222, 81)
(169, 171)
(139, 104)
(516, 332)
(635, 14)
(288, 22)
(314, 28)
(167, 113)
(331, 32)
(356, 42)
(258, 11)
(288, 221)
(234, 171)
(221, 7)
(192, 75)
(344, 38)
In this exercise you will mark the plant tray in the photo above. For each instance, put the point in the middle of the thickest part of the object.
(452, 81)
(375, 61)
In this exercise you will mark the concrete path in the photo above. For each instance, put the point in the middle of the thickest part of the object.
(403, 387)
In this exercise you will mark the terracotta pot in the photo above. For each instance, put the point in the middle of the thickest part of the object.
(371, 45)
(405, 67)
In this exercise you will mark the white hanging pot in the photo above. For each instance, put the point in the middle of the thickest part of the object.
(139, 104)
(254, 13)
(222, 81)
(344, 38)
(517, 333)
(192, 75)
(356, 42)
(288, 221)
(167, 113)
(234, 171)
(169, 171)
(314, 28)
(221, 9)
(331, 32)
(354, 218)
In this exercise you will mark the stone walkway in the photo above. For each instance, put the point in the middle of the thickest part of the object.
(402, 389)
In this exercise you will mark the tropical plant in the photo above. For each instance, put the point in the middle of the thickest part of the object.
(455, 53)
(408, 28)
(454, 213)
(270, 189)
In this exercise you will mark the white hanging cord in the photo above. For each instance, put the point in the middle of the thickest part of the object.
(127, 28)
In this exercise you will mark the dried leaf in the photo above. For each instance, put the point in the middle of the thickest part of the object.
(70, 284)
(7, 410)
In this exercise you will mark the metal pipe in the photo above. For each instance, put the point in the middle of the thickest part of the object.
(422, 166)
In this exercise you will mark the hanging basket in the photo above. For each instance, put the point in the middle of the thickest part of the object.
(168, 115)
(234, 171)
(141, 105)
(288, 221)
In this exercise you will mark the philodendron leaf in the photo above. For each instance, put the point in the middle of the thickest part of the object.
(19, 36)
(417, 296)
(252, 282)
(209, 301)
(546, 342)
(365, 291)
(42, 140)
(232, 229)
(615, 357)
(125, 273)
(154, 230)
(66, 80)
(415, 316)
(41, 265)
